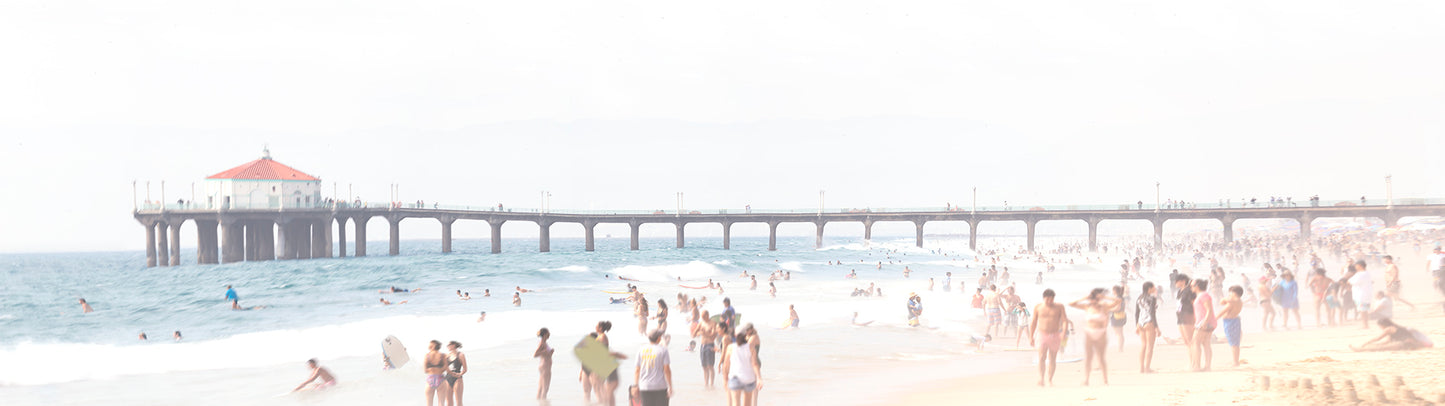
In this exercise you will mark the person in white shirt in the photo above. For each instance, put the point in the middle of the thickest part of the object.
(654, 372)
(1362, 288)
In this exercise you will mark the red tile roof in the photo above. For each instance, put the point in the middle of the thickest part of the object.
(263, 169)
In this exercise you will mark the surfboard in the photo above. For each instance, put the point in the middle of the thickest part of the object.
(393, 353)
(595, 357)
(692, 287)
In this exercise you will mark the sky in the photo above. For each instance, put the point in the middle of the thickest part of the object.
(622, 104)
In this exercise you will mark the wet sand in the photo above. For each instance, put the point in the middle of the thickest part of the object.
(1283, 356)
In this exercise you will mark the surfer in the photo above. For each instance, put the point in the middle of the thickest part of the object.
(85, 307)
(394, 289)
(235, 305)
(458, 364)
(544, 357)
(231, 294)
(384, 302)
(1046, 332)
(317, 372)
(436, 369)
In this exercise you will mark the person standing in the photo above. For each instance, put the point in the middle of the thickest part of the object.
(1229, 319)
(1119, 316)
(436, 370)
(1362, 289)
(1392, 281)
(85, 307)
(1201, 354)
(1096, 338)
(1266, 300)
(1289, 300)
(741, 367)
(654, 372)
(458, 366)
(993, 306)
(544, 355)
(1046, 331)
(1146, 324)
(1185, 315)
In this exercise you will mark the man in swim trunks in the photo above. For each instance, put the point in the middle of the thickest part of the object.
(1392, 281)
(1048, 326)
(1229, 319)
(317, 372)
(707, 335)
(85, 307)
(993, 306)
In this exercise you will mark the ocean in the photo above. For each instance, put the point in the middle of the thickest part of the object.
(329, 309)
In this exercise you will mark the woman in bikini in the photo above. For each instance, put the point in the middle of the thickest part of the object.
(661, 315)
(436, 372)
(1096, 339)
(458, 366)
(606, 387)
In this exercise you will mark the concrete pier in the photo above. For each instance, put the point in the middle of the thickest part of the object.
(232, 235)
(1031, 226)
(176, 243)
(394, 248)
(150, 243)
(544, 236)
(636, 228)
(446, 234)
(772, 236)
(496, 235)
(727, 235)
(207, 245)
(341, 237)
(361, 235)
(162, 247)
(818, 243)
(680, 230)
(590, 234)
(918, 238)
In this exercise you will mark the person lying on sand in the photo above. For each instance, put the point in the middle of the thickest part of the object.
(1393, 337)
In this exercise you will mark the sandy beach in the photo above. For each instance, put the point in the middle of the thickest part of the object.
(1313, 353)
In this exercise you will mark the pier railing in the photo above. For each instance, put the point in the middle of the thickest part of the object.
(152, 206)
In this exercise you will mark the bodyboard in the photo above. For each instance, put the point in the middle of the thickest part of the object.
(393, 352)
(595, 357)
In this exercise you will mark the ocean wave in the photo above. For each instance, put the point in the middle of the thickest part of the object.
(40, 363)
(569, 268)
(656, 273)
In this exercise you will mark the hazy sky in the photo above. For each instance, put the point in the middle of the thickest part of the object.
(622, 104)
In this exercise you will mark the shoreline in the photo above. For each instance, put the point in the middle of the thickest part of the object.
(1282, 355)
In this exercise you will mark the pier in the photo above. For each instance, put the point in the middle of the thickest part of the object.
(319, 230)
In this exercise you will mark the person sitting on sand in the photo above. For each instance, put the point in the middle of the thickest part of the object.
(317, 372)
(1393, 337)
